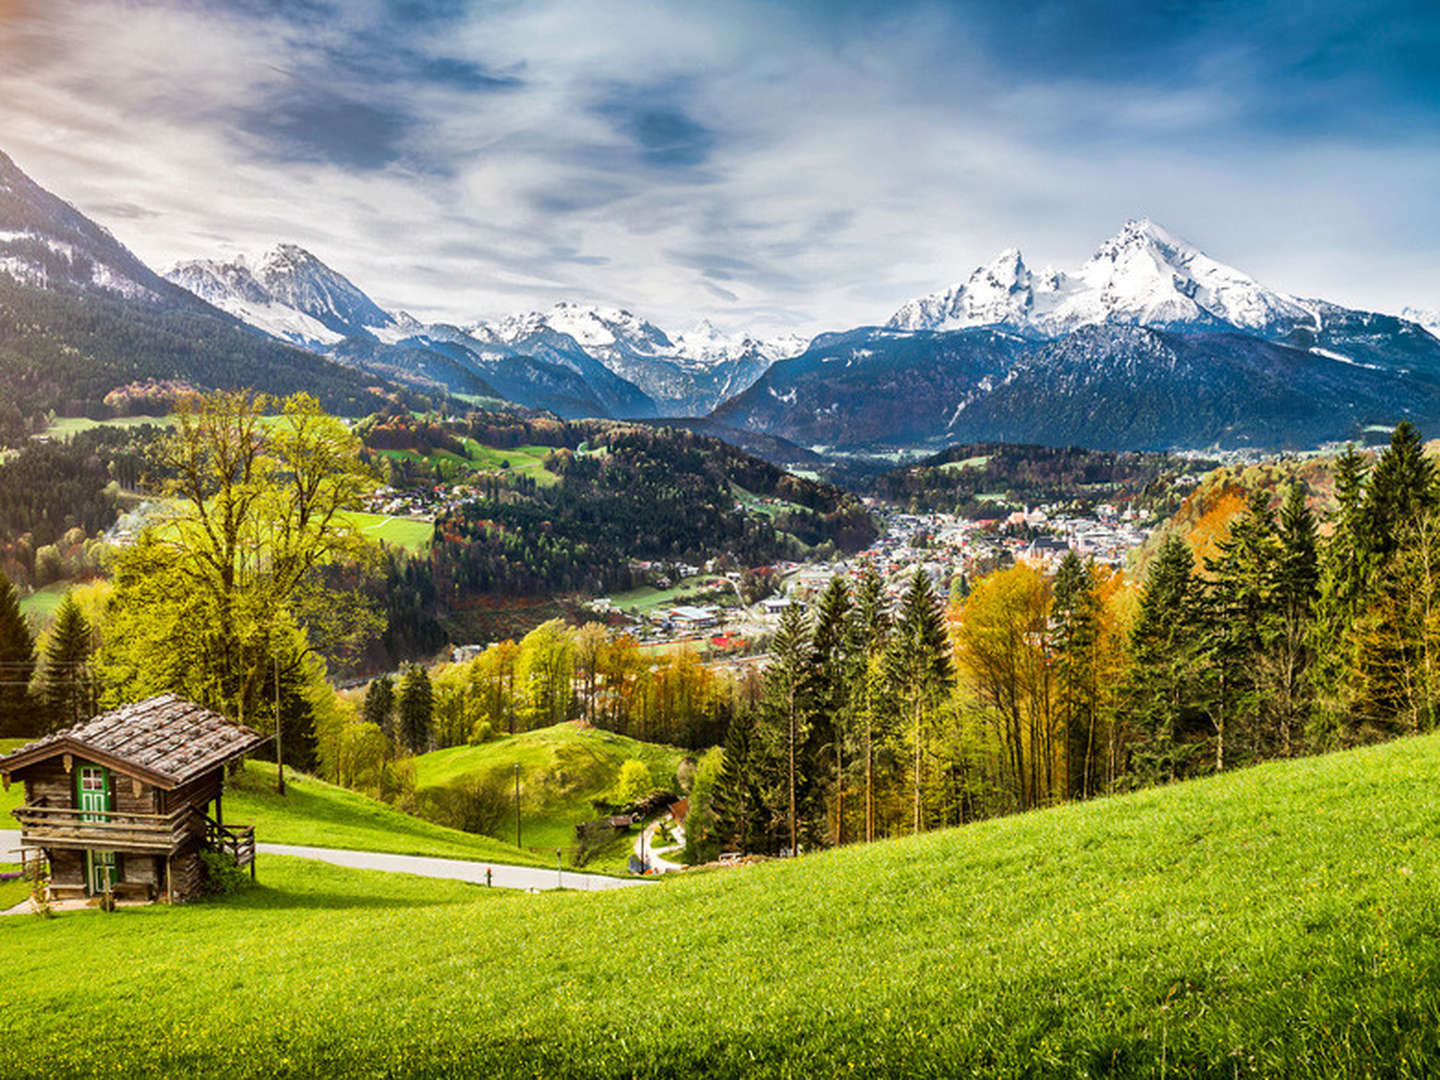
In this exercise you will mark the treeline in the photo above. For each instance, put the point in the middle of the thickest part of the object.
(954, 480)
(1035, 689)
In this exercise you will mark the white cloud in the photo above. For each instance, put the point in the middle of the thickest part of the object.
(833, 170)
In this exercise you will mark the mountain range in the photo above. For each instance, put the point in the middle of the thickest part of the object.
(575, 359)
(1150, 343)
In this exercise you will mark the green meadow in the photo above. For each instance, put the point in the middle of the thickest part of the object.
(318, 814)
(562, 768)
(1280, 921)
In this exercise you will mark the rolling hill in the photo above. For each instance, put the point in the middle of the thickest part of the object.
(1278, 921)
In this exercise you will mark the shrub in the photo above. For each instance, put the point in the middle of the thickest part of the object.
(223, 875)
(482, 732)
(476, 804)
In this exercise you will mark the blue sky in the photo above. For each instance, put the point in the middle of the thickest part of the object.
(803, 165)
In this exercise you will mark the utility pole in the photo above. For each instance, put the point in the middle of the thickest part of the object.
(517, 804)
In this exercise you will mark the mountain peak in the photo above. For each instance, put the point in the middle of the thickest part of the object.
(1143, 275)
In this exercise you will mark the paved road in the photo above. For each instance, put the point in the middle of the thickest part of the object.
(503, 876)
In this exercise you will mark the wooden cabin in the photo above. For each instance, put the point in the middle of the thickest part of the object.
(125, 802)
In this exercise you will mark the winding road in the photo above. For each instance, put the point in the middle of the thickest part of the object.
(503, 875)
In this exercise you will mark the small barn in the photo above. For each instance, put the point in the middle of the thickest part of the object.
(126, 801)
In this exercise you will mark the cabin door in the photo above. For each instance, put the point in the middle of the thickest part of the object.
(95, 795)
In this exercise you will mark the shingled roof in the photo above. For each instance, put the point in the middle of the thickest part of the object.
(165, 740)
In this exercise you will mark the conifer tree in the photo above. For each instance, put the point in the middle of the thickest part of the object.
(17, 665)
(415, 707)
(379, 705)
(66, 686)
(828, 728)
(738, 804)
(869, 639)
(1400, 491)
(789, 688)
(1075, 615)
(920, 668)
(1165, 643)
(1238, 627)
(1347, 568)
(1297, 576)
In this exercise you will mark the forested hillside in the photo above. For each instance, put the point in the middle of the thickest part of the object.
(972, 478)
(65, 351)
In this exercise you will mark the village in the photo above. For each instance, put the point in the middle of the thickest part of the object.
(710, 607)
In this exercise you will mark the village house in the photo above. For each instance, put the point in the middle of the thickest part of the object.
(126, 802)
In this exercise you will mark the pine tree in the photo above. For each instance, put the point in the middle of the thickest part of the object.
(1165, 643)
(738, 804)
(1075, 614)
(415, 707)
(869, 641)
(1347, 569)
(789, 689)
(1400, 491)
(1297, 577)
(379, 705)
(920, 668)
(1238, 628)
(18, 715)
(828, 727)
(66, 685)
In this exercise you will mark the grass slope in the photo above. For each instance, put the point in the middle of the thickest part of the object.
(561, 769)
(1276, 922)
(323, 815)
(9, 800)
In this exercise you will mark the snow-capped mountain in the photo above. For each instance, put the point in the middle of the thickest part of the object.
(1142, 276)
(46, 243)
(1428, 318)
(290, 294)
(687, 375)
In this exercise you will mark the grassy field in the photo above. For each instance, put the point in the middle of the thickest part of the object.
(520, 460)
(561, 769)
(11, 892)
(1277, 922)
(323, 815)
(41, 604)
(64, 427)
(9, 800)
(646, 599)
(407, 533)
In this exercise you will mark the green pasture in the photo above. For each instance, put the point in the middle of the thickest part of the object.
(1276, 922)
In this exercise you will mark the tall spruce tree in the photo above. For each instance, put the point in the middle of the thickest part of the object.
(786, 713)
(67, 687)
(829, 726)
(18, 715)
(1347, 569)
(738, 804)
(920, 668)
(1075, 617)
(1238, 628)
(1162, 691)
(1296, 587)
(379, 705)
(1401, 490)
(415, 708)
(869, 641)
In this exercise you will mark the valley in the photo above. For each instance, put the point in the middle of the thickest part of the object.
(537, 540)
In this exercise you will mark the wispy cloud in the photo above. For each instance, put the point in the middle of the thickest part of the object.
(809, 164)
